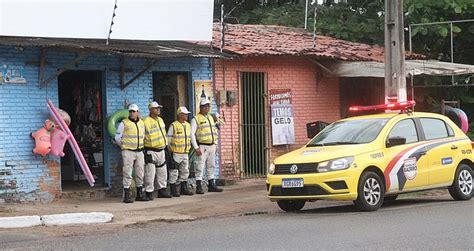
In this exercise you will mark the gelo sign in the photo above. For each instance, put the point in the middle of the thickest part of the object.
(283, 129)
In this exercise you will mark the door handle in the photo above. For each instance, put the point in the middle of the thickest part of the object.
(454, 147)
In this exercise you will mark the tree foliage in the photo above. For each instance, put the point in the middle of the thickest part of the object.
(363, 21)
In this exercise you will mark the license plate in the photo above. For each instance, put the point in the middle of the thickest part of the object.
(289, 183)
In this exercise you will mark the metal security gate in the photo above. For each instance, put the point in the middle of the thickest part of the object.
(253, 133)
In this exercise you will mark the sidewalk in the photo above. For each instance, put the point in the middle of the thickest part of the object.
(245, 196)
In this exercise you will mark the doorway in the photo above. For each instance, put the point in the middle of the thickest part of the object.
(80, 95)
(253, 117)
(170, 89)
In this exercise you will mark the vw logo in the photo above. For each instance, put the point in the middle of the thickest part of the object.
(293, 169)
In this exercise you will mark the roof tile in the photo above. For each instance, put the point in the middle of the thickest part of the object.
(261, 40)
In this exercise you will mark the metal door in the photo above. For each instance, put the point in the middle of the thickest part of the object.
(253, 128)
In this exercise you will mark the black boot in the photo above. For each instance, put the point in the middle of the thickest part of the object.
(162, 193)
(212, 187)
(149, 195)
(127, 198)
(184, 189)
(175, 190)
(199, 187)
(140, 195)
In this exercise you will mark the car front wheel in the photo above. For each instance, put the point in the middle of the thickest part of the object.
(291, 205)
(462, 188)
(370, 192)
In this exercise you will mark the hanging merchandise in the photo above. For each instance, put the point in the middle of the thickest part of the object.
(98, 106)
(114, 121)
(77, 100)
(58, 140)
(64, 115)
(43, 138)
(89, 133)
(72, 142)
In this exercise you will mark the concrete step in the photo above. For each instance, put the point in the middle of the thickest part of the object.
(85, 194)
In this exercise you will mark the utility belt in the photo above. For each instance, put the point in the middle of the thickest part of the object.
(206, 144)
(149, 157)
(134, 150)
(153, 149)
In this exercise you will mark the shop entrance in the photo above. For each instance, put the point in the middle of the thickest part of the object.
(254, 149)
(80, 95)
(170, 89)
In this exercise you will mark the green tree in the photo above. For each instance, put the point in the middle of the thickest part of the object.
(363, 21)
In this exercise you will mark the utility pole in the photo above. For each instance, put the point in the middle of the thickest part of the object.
(306, 16)
(395, 80)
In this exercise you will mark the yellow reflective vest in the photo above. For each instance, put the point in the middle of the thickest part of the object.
(181, 138)
(206, 131)
(132, 137)
(154, 133)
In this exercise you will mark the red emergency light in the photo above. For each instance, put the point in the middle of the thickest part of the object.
(385, 107)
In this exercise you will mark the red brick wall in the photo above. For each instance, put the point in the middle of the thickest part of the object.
(315, 97)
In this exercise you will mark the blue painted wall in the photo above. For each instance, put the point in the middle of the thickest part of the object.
(27, 177)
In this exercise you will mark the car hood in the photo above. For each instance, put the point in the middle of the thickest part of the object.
(322, 153)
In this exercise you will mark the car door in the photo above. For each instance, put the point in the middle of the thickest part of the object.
(441, 149)
(408, 165)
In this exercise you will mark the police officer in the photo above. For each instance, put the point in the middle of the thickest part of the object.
(129, 136)
(204, 141)
(179, 136)
(155, 144)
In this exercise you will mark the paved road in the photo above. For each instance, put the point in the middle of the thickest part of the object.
(422, 223)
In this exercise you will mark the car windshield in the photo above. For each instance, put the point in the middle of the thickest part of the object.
(357, 131)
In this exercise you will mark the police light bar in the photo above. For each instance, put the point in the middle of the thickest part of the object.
(384, 107)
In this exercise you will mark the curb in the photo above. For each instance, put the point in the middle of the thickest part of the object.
(76, 218)
(55, 220)
(20, 221)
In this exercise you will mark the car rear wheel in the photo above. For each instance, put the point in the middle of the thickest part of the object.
(370, 192)
(462, 188)
(291, 205)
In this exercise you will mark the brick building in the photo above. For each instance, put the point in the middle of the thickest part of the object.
(90, 81)
(275, 58)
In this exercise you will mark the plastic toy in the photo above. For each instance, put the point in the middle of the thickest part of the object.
(64, 115)
(72, 142)
(43, 138)
(58, 140)
(114, 120)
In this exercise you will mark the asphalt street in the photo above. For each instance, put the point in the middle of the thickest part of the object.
(412, 223)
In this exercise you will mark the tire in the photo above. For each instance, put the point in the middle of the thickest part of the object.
(291, 205)
(462, 188)
(370, 192)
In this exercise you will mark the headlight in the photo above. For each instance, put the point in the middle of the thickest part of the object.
(271, 168)
(335, 164)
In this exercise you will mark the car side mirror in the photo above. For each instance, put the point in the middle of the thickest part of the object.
(396, 141)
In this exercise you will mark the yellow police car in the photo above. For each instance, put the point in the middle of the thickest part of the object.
(372, 158)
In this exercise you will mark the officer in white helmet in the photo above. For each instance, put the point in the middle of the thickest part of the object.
(179, 136)
(204, 141)
(129, 136)
(155, 144)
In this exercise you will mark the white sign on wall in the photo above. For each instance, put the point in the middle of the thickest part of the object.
(283, 128)
(135, 19)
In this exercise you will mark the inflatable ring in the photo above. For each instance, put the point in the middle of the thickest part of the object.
(463, 122)
(114, 120)
(458, 116)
